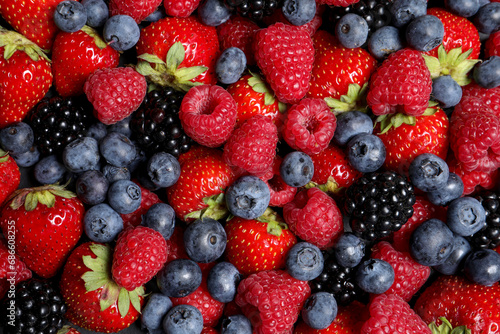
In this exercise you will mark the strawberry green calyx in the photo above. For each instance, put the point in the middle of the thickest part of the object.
(101, 44)
(46, 195)
(64, 329)
(216, 208)
(99, 277)
(447, 328)
(12, 41)
(168, 73)
(275, 225)
(355, 99)
(260, 86)
(330, 187)
(389, 121)
(4, 156)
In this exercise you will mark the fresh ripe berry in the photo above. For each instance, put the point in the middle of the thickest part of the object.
(385, 41)
(351, 30)
(10, 176)
(349, 250)
(486, 20)
(97, 12)
(28, 158)
(154, 311)
(429, 172)
(148, 198)
(431, 242)
(454, 262)
(102, 223)
(179, 278)
(319, 310)
(236, 324)
(465, 216)
(281, 193)
(425, 33)
(124, 196)
(483, 267)
(213, 12)
(81, 154)
(230, 65)
(205, 240)
(452, 190)
(248, 197)
(163, 169)
(222, 281)
(183, 319)
(17, 138)
(446, 91)
(49, 170)
(464, 8)
(297, 169)
(238, 32)
(487, 73)
(180, 8)
(117, 149)
(299, 12)
(366, 152)
(375, 276)
(350, 124)
(160, 217)
(92, 187)
(404, 11)
(121, 32)
(304, 261)
(70, 16)
(137, 10)
(492, 45)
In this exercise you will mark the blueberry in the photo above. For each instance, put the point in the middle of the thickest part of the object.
(349, 250)
(213, 12)
(102, 223)
(97, 131)
(179, 278)
(140, 159)
(92, 187)
(28, 158)
(366, 152)
(425, 33)
(319, 310)
(483, 267)
(236, 324)
(446, 91)
(117, 149)
(155, 310)
(385, 41)
(350, 124)
(49, 170)
(205, 240)
(70, 16)
(121, 32)
(375, 276)
(487, 73)
(163, 169)
(222, 281)
(304, 261)
(160, 217)
(464, 8)
(81, 154)
(453, 189)
(299, 12)
(351, 30)
(487, 19)
(454, 262)
(465, 216)
(17, 138)
(124, 196)
(429, 172)
(122, 126)
(230, 65)
(97, 12)
(297, 169)
(248, 197)
(404, 11)
(113, 173)
(183, 319)
(431, 243)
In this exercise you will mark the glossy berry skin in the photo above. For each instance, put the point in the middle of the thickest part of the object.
(163, 169)
(17, 138)
(297, 169)
(92, 187)
(81, 155)
(319, 310)
(446, 91)
(464, 8)
(350, 124)
(366, 152)
(349, 250)
(248, 197)
(425, 33)
(183, 319)
(97, 12)
(487, 20)
(121, 32)
(112, 173)
(299, 12)
(180, 8)
(487, 73)
(10, 176)
(28, 158)
(205, 240)
(213, 12)
(160, 217)
(404, 11)
(352, 31)
(179, 278)
(483, 267)
(154, 311)
(137, 10)
(230, 65)
(453, 189)
(70, 16)
(222, 281)
(304, 261)
(465, 216)
(429, 172)
(431, 242)
(454, 263)
(124, 196)
(375, 276)
(102, 223)
(49, 170)
(384, 41)
(236, 324)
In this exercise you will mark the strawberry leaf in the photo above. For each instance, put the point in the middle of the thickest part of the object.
(30, 202)
(188, 73)
(109, 295)
(46, 198)
(447, 328)
(4, 156)
(175, 56)
(123, 302)
(135, 297)
(453, 63)
(99, 42)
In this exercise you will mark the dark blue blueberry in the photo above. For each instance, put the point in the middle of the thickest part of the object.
(483, 267)
(70, 16)
(487, 73)
(304, 261)
(124, 196)
(351, 30)
(92, 187)
(248, 197)
(230, 65)
(431, 243)
(465, 216)
(299, 12)
(425, 33)
(385, 41)
(179, 278)
(160, 217)
(428, 172)
(222, 281)
(97, 131)
(453, 263)
(350, 124)
(483, 2)
(464, 8)
(375, 276)
(49, 170)
(446, 91)
(28, 158)
(113, 173)
(366, 152)
(183, 319)
(122, 127)
(349, 250)
(404, 11)
(155, 310)
(102, 223)
(117, 149)
(487, 19)
(205, 240)
(453, 189)
(140, 158)
(97, 12)
(142, 176)
(121, 32)
(17, 138)
(236, 324)
(158, 14)
(297, 169)
(213, 12)
(163, 169)
(319, 310)
(81, 154)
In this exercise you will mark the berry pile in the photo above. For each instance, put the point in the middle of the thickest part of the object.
(250, 166)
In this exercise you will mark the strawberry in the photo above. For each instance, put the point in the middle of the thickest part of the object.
(148, 199)
(182, 8)
(137, 9)
(48, 224)
(342, 3)
(323, 40)
(258, 245)
(94, 301)
(25, 75)
(238, 32)
(462, 302)
(68, 330)
(77, 55)
(10, 176)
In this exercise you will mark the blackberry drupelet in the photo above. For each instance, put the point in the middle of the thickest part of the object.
(254, 9)
(489, 235)
(57, 121)
(378, 204)
(156, 126)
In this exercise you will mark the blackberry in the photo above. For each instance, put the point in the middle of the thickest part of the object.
(489, 235)
(156, 126)
(253, 9)
(39, 308)
(57, 121)
(378, 204)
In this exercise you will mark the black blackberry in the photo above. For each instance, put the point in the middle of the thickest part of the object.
(254, 9)
(156, 126)
(378, 204)
(489, 235)
(57, 121)
(39, 308)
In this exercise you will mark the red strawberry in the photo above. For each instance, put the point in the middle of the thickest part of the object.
(182, 8)
(474, 181)
(209, 330)
(77, 55)
(323, 40)
(10, 176)
(254, 246)
(288, 76)
(148, 199)
(139, 254)
(492, 45)
(94, 301)
(238, 32)
(25, 75)
(342, 3)
(137, 9)
(48, 225)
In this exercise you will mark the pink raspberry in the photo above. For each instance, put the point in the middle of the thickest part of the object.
(238, 32)
(281, 193)
(182, 8)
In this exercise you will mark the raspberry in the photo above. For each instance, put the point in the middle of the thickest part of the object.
(281, 193)
(238, 32)
(138, 10)
(208, 115)
(148, 199)
(309, 126)
(490, 97)
(115, 93)
(9, 266)
(492, 46)
(342, 3)
(182, 8)
(473, 180)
